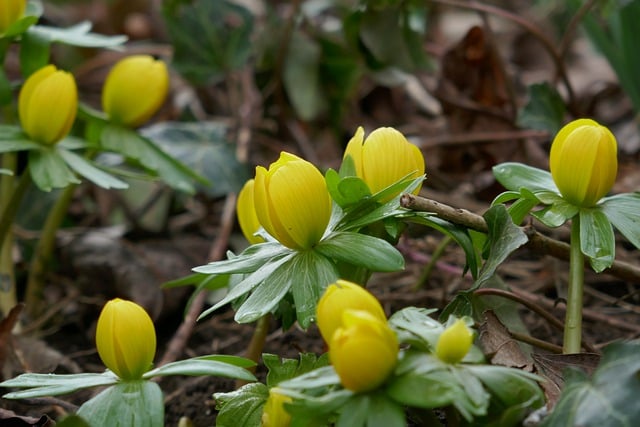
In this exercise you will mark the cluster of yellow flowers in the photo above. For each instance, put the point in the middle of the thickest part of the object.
(133, 91)
(290, 199)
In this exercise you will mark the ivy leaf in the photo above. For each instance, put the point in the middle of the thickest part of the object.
(241, 407)
(609, 398)
(286, 369)
(544, 109)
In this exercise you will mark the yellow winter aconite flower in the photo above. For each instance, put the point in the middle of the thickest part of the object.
(135, 89)
(454, 342)
(126, 339)
(247, 218)
(339, 297)
(292, 201)
(10, 12)
(363, 351)
(47, 105)
(273, 413)
(384, 158)
(583, 162)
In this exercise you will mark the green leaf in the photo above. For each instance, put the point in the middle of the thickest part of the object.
(623, 210)
(504, 237)
(72, 421)
(384, 412)
(32, 13)
(413, 326)
(134, 146)
(13, 139)
(209, 38)
(40, 385)
(510, 386)
(609, 398)
(557, 214)
(281, 369)
(77, 35)
(301, 76)
(597, 240)
(35, 50)
(318, 378)
(131, 403)
(248, 261)
(355, 412)
(427, 390)
(91, 172)
(544, 109)
(49, 170)
(203, 366)
(514, 176)
(204, 148)
(241, 407)
(346, 191)
(312, 273)
(361, 250)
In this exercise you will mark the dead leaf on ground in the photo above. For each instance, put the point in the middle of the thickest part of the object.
(498, 345)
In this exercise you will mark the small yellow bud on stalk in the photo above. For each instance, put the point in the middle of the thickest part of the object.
(273, 413)
(339, 297)
(363, 351)
(583, 162)
(384, 157)
(135, 89)
(292, 201)
(246, 211)
(454, 342)
(126, 339)
(10, 12)
(47, 105)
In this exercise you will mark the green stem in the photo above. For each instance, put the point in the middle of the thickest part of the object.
(256, 345)
(435, 256)
(573, 320)
(44, 248)
(8, 298)
(11, 208)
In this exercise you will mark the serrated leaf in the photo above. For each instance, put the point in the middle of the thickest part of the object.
(130, 403)
(242, 407)
(205, 149)
(609, 398)
(361, 250)
(544, 110)
(282, 369)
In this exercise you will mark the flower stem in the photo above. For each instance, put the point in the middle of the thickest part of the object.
(8, 298)
(44, 248)
(256, 345)
(573, 320)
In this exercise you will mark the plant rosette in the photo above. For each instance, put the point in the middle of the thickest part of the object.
(587, 178)
(479, 394)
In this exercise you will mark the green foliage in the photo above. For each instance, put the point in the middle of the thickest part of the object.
(544, 110)
(608, 398)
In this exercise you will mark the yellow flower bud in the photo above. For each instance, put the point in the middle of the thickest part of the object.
(583, 162)
(454, 342)
(135, 89)
(339, 297)
(10, 12)
(363, 351)
(247, 217)
(273, 413)
(126, 339)
(292, 201)
(47, 105)
(384, 157)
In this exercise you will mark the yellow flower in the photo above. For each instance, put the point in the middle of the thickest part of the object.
(454, 342)
(273, 413)
(583, 162)
(47, 105)
(384, 157)
(292, 201)
(340, 296)
(10, 12)
(246, 211)
(126, 339)
(135, 89)
(363, 351)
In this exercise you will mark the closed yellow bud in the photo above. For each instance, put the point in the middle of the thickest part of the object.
(47, 105)
(339, 297)
(363, 351)
(10, 12)
(292, 201)
(384, 157)
(454, 342)
(126, 339)
(135, 89)
(583, 162)
(246, 211)
(273, 413)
